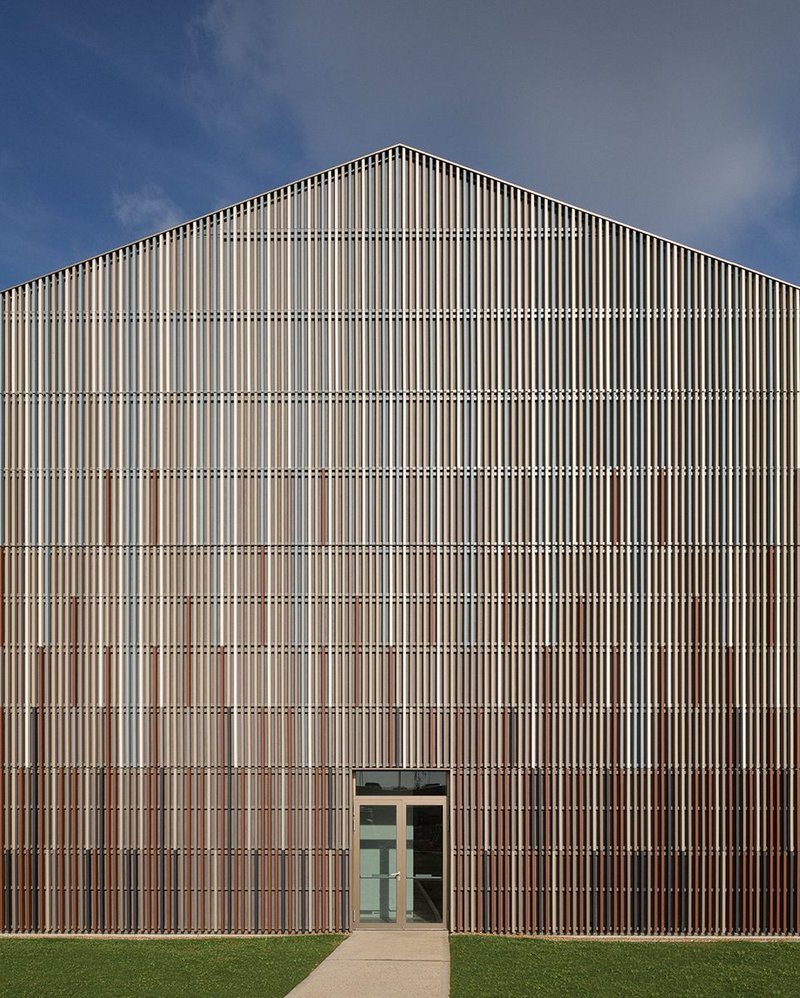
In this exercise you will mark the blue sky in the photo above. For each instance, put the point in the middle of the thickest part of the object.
(119, 119)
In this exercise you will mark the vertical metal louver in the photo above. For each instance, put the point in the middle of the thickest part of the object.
(400, 466)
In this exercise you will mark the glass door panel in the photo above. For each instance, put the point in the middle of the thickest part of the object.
(424, 863)
(378, 870)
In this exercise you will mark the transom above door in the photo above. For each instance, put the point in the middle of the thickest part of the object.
(400, 873)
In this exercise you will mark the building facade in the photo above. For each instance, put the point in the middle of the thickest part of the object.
(400, 547)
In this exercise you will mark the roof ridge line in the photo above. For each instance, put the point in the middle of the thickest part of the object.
(420, 152)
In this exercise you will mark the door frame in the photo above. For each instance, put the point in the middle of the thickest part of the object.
(401, 802)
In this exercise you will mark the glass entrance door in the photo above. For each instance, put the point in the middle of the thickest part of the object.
(378, 871)
(424, 866)
(399, 863)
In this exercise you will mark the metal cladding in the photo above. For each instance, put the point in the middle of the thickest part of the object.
(400, 466)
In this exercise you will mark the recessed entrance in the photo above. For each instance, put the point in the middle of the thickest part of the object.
(399, 848)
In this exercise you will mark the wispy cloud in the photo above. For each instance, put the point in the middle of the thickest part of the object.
(237, 77)
(146, 209)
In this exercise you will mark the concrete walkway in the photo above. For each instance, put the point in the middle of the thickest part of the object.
(376, 963)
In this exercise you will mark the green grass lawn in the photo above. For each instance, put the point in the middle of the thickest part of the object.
(267, 966)
(496, 966)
